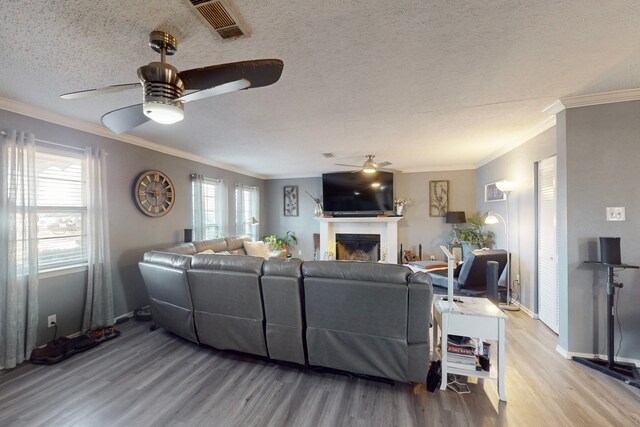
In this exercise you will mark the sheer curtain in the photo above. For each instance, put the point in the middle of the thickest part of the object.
(98, 309)
(247, 208)
(208, 208)
(19, 263)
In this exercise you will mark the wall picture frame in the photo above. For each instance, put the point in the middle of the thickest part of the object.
(438, 198)
(290, 200)
(492, 194)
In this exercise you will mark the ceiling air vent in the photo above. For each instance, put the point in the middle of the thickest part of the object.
(221, 16)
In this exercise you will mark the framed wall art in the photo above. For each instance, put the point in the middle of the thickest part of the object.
(438, 198)
(492, 194)
(290, 199)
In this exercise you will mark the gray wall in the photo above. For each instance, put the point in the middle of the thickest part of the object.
(417, 227)
(131, 232)
(304, 225)
(518, 165)
(598, 147)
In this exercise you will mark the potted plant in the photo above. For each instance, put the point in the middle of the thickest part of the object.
(473, 235)
(401, 204)
(281, 243)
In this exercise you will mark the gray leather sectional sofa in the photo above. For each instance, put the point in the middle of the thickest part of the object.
(366, 318)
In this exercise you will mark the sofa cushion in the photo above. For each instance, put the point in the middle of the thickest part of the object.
(235, 243)
(362, 271)
(168, 259)
(216, 245)
(257, 249)
(182, 248)
(239, 263)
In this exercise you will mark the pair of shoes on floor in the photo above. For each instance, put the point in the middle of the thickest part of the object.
(54, 351)
(103, 334)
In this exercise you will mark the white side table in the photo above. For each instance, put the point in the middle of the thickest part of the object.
(476, 318)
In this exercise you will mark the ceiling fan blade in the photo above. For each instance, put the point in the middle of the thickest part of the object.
(259, 72)
(99, 91)
(217, 90)
(351, 166)
(383, 164)
(124, 119)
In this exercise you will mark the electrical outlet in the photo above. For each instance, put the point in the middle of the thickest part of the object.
(51, 321)
(300, 252)
(518, 278)
(615, 214)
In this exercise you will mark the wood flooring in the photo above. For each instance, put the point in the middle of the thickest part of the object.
(154, 378)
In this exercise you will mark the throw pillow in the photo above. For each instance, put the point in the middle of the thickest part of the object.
(258, 249)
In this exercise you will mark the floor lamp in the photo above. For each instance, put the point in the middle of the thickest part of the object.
(492, 218)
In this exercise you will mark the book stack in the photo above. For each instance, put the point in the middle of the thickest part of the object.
(461, 353)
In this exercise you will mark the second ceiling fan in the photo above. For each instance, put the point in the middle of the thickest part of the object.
(164, 86)
(369, 165)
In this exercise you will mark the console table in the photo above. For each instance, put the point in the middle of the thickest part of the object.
(472, 317)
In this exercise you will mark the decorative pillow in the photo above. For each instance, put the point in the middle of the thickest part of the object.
(207, 251)
(257, 249)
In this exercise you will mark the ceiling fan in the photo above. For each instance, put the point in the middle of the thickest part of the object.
(164, 86)
(369, 166)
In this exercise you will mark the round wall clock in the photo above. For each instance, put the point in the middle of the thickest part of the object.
(154, 193)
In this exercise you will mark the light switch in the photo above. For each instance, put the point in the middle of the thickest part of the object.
(615, 214)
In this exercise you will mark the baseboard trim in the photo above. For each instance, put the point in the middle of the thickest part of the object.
(526, 310)
(571, 354)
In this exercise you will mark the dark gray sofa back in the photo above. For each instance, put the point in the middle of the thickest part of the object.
(227, 302)
(357, 318)
(165, 277)
(283, 305)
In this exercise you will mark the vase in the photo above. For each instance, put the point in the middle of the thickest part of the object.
(318, 211)
(399, 210)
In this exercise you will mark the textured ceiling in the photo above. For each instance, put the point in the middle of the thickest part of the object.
(426, 85)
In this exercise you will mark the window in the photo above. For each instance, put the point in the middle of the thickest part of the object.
(61, 208)
(209, 207)
(247, 209)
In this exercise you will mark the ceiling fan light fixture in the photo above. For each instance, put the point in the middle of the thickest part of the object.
(163, 113)
(369, 169)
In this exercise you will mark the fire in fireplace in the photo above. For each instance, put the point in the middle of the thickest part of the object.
(358, 247)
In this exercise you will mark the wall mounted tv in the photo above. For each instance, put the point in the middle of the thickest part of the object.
(357, 193)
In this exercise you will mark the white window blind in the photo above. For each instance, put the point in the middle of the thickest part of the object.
(247, 208)
(61, 207)
(209, 208)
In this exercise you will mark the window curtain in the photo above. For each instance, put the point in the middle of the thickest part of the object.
(247, 207)
(98, 310)
(19, 263)
(197, 206)
(208, 208)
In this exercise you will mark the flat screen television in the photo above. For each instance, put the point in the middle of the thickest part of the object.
(352, 194)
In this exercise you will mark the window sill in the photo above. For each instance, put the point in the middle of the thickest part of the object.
(62, 271)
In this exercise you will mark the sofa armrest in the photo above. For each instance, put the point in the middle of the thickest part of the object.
(419, 316)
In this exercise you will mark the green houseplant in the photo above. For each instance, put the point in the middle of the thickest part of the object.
(279, 243)
(474, 236)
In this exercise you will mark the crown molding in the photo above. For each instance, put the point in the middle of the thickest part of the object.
(593, 99)
(81, 125)
(554, 108)
(546, 124)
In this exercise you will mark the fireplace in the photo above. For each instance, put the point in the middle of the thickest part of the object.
(385, 228)
(358, 247)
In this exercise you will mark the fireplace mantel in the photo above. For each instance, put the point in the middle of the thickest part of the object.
(386, 227)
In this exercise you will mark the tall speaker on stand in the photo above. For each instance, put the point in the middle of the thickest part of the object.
(611, 260)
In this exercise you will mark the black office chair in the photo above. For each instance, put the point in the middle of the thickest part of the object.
(472, 279)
